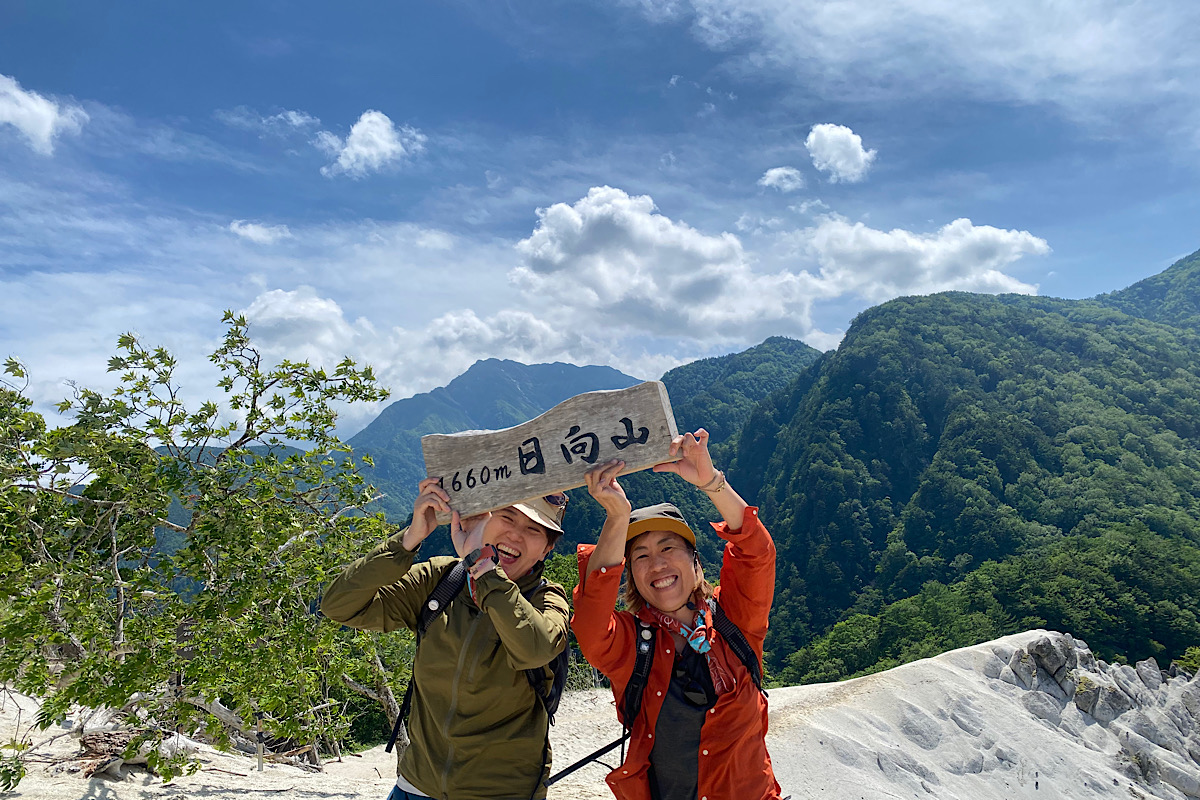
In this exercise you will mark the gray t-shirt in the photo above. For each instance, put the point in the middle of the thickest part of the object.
(675, 757)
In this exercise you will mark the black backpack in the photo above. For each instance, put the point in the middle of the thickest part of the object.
(447, 588)
(644, 660)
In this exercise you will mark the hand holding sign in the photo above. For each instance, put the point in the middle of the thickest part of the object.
(432, 501)
(695, 465)
(603, 487)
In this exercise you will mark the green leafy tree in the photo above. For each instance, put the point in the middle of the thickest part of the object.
(220, 626)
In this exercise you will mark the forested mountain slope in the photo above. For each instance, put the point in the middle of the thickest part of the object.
(1171, 297)
(1038, 457)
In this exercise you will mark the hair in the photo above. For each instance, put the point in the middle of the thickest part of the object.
(633, 600)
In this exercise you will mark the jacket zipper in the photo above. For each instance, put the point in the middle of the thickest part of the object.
(458, 671)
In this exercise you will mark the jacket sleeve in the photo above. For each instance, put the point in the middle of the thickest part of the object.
(747, 575)
(605, 635)
(382, 591)
(533, 631)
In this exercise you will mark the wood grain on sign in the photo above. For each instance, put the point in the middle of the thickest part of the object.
(486, 470)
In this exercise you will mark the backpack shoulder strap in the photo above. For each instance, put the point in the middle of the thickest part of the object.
(642, 662)
(447, 588)
(736, 640)
(558, 672)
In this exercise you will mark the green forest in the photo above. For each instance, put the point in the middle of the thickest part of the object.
(968, 466)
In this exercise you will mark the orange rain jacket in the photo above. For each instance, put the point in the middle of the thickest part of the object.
(733, 753)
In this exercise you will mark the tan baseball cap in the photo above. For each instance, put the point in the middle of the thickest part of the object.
(547, 511)
(661, 517)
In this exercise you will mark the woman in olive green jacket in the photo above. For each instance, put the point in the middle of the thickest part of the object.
(477, 730)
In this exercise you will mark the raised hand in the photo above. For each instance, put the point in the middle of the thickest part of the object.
(431, 498)
(695, 465)
(602, 485)
(467, 534)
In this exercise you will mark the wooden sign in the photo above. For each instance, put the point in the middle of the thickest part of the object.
(487, 470)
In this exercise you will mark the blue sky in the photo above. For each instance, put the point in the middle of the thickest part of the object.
(635, 183)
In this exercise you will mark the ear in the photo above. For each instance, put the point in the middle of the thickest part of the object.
(549, 546)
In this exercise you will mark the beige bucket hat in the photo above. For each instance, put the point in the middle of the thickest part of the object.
(547, 511)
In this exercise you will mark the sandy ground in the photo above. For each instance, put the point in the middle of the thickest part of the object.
(941, 728)
(227, 775)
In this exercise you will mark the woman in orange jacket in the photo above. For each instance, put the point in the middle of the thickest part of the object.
(701, 731)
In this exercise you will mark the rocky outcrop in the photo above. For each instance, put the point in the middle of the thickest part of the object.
(1154, 714)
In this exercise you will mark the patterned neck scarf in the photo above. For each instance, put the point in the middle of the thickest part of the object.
(699, 636)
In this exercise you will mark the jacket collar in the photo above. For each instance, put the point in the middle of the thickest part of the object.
(532, 578)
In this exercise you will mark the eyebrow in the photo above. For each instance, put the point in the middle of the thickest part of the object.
(666, 537)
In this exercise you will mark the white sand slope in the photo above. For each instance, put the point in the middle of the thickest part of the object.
(1032, 715)
(966, 725)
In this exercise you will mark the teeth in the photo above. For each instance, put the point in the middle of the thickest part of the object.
(663, 583)
(507, 551)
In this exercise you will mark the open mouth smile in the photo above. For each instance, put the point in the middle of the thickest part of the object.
(665, 583)
(507, 553)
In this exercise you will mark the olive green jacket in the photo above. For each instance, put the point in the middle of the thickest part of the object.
(476, 727)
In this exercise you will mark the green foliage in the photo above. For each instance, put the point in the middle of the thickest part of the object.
(224, 625)
(1171, 297)
(1127, 591)
(719, 394)
(12, 770)
(1190, 660)
(954, 430)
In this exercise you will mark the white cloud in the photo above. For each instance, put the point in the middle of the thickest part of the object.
(785, 179)
(39, 119)
(748, 223)
(1089, 57)
(879, 265)
(612, 263)
(262, 234)
(300, 324)
(373, 144)
(838, 150)
(278, 124)
(810, 206)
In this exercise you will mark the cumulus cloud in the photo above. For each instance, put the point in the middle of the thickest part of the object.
(374, 143)
(879, 265)
(303, 325)
(262, 234)
(837, 150)
(785, 179)
(37, 118)
(611, 262)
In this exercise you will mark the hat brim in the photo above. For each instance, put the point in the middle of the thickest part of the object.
(636, 529)
(538, 517)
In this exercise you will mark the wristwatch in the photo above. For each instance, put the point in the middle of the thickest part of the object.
(478, 554)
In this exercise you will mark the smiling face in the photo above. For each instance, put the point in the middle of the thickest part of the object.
(664, 569)
(519, 541)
